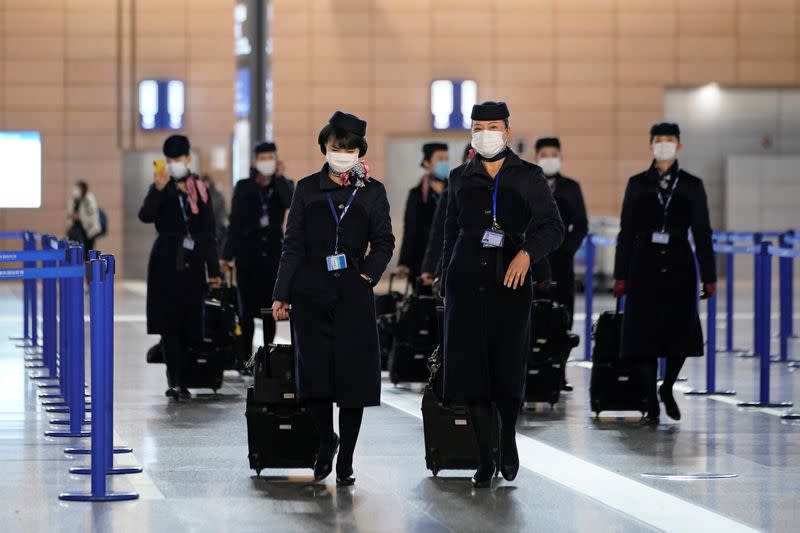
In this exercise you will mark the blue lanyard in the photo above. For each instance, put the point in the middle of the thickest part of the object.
(338, 218)
(495, 225)
(263, 199)
(664, 204)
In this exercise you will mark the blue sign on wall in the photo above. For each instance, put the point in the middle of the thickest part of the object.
(451, 103)
(242, 104)
(161, 104)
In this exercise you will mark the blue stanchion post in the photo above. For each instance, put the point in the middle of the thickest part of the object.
(50, 338)
(99, 359)
(62, 325)
(26, 293)
(730, 273)
(758, 262)
(108, 323)
(762, 319)
(786, 290)
(588, 286)
(76, 374)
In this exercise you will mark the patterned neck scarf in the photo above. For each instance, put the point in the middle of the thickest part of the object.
(194, 187)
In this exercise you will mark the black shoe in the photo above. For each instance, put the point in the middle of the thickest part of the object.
(669, 403)
(172, 393)
(345, 481)
(483, 477)
(509, 457)
(566, 387)
(324, 463)
(184, 393)
(344, 471)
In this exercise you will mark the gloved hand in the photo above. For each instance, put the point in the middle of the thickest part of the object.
(619, 288)
(709, 289)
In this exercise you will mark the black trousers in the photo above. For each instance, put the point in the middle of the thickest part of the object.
(650, 372)
(174, 347)
(349, 427)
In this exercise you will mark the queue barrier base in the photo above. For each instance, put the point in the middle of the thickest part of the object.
(65, 409)
(710, 393)
(43, 377)
(48, 385)
(67, 434)
(88, 497)
(116, 470)
(88, 451)
(35, 366)
(791, 416)
(776, 405)
(66, 421)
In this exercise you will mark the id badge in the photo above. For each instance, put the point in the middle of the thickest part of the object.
(188, 243)
(264, 221)
(336, 262)
(660, 237)
(493, 238)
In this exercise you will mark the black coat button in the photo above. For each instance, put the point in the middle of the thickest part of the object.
(663, 270)
(484, 262)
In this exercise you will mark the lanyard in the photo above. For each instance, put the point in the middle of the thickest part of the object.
(665, 203)
(184, 213)
(262, 198)
(495, 225)
(338, 218)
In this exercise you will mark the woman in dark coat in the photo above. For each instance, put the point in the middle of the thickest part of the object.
(327, 276)
(420, 208)
(655, 269)
(255, 238)
(183, 253)
(489, 247)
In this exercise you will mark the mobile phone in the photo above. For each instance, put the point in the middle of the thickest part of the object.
(159, 166)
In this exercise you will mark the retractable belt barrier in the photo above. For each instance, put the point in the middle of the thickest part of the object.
(62, 272)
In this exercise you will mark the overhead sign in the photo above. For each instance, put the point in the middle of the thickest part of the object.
(21, 171)
(161, 104)
(451, 103)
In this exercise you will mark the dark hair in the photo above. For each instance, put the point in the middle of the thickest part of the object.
(341, 139)
(84, 187)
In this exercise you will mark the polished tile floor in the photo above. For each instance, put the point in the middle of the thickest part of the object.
(579, 474)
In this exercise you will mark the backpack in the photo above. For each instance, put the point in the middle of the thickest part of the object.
(103, 223)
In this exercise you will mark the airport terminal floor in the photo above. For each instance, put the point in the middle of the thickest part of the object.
(578, 473)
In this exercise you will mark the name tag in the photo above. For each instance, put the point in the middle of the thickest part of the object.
(493, 238)
(188, 243)
(659, 237)
(336, 262)
(264, 221)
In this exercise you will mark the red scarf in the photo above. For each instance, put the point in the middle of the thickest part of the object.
(194, 186)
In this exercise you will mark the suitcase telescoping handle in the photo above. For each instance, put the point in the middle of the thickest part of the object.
(391, 283)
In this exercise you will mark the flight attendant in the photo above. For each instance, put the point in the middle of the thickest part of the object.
(255, 238)
(327, 276)
(420, 208)
(655, 269)
(183, 260)
(501, 218)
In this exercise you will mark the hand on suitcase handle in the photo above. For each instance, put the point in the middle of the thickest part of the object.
(280, 310)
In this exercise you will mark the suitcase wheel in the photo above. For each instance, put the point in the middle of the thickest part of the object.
(258, 472)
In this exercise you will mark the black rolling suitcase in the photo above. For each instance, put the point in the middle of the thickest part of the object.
(616, 384)
(449, 439)
(385, 315)
(414, 338)
(551, 343)
(280, 431)
(279, 436)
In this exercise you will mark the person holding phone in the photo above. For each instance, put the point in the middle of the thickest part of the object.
(501, 218)
(327, 275)
(183, 259)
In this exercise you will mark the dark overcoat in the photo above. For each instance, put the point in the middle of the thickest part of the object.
(333, 313)
(661, 318)
(432, 260)
(257, 249)
(569, 199)
(487, 325)
(176, 277)
(417, 224)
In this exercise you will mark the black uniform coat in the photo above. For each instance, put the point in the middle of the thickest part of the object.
(257, 250)
(176, 277)
(432, 260)
(487, 325)
(661, 317)
(417, 228)
(568, 197)
(333, 313)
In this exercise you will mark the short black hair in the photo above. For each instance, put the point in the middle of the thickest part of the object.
(176, 146)
(264, 146)
(83, 186)
(665, 128)
(341, 139)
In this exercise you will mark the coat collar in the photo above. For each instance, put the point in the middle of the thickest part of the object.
(652, 172)
(325, 182)
(475, 167)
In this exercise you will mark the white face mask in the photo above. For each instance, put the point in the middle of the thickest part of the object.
(76, 192)
(266, 167)
(177, 170)
(488, 143)
(550, 165)
(665, 151)
(341, 161)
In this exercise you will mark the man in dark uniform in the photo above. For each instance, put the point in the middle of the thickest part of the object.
(255, 238)
(569, 199)
(655, 267)
(420, 207)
